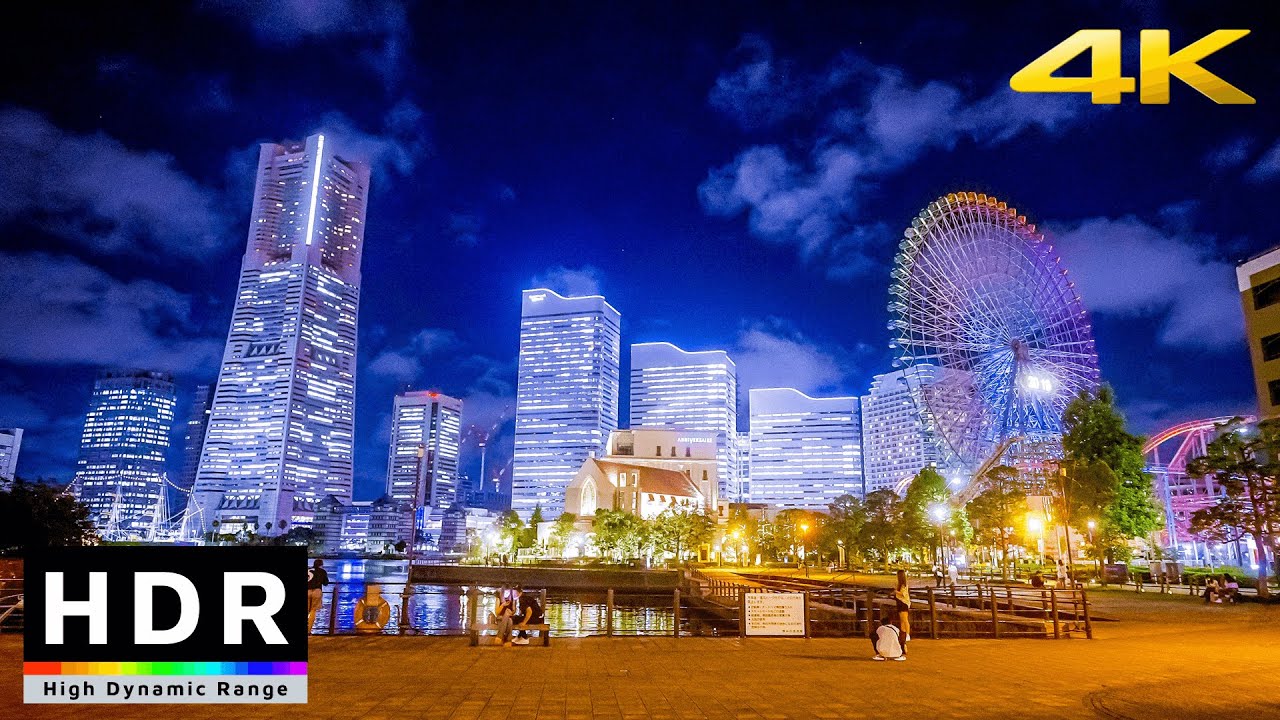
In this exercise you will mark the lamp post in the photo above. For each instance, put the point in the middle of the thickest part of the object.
(804, 532)
(939, 513)
(840, 548)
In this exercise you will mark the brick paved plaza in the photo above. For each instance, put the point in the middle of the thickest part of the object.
(1168, 657)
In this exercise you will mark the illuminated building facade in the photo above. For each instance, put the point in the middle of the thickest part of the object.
(192, 443)
(895, 443)
(566, 394)
(281, 427)
(426, 432)
(1259, 283)
(805, 451)
(120, 475)
(673, 388)
(744, 465)
(10, 446)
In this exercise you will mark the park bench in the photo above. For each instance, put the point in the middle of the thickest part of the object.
(478, 629)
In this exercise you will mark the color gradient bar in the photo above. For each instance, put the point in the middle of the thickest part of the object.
(164, 668)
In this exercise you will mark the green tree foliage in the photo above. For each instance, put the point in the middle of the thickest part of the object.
(530, 538)
(994, 512)
(793, 529)
(928, 490)
(880, 531)
(1246, 464)
(38, 515)
(1106, 474)
(843, 527)
(561, 532)
(747, 528)
(619, 534)
(512, 531)
(677, 531)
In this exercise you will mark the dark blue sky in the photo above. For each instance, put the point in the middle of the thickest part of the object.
(730, 176)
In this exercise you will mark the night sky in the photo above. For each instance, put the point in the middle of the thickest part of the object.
(729, 176)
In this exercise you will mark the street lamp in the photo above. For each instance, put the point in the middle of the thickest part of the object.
(1096, 559)
(804, 532)
(1035, 526)
(939, 513)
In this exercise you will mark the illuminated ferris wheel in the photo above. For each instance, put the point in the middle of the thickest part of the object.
(990, 332)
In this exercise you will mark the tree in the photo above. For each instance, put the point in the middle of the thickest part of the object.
(843, 527)
(994, 511)
(744, 532)
(620, 534)
(1105, 474)
(927, 492)
(1246, 464)
(677, 530)
(793, 529)
(880, 531)
(512, 531)
(38, 515)
(560, 533)
(530, 537)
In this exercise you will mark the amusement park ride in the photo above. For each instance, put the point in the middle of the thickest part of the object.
(992, 336)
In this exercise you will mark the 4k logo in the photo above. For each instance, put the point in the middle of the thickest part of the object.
(1105, 82)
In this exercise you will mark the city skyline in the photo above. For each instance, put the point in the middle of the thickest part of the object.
(598, 196)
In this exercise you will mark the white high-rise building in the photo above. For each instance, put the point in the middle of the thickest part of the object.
(895, 445)
(10, 445)
(566, 394)
(282, 423)
(120, 475)
(674, 388)
(805, 451)
(426, 432)
(744, 465)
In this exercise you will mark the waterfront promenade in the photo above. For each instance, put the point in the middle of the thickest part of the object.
(1166, 656)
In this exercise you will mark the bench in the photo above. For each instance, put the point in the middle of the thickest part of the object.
(478, 629)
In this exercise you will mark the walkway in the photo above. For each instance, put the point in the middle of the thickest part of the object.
(1171, 656)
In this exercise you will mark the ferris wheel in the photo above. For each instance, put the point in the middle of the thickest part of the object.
(992, 336)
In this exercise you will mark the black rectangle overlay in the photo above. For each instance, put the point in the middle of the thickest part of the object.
(203, 566)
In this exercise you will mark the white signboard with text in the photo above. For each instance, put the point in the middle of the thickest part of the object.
(774, 614)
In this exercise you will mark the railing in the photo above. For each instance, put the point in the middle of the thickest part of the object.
(971, 611)
(11, 605)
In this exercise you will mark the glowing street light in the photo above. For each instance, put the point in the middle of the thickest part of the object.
(940, 513)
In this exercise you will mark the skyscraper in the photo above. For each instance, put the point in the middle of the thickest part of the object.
(674, 388)
(10, 445)
(895, 444)
(1259, 282)
(426, 430)
(805, 451)
(121, 472)
(566, 394)
(744, 465)
(192, 443)
(281, 428)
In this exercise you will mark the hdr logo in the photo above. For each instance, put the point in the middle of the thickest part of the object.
(166, 625)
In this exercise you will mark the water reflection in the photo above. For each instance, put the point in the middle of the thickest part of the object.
(442, 609)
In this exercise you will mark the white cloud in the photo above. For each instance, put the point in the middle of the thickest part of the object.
(60, 311)
(773, 354)
(405, 364)
(585, 280)
(1127, 268)
(1268, 166)
(1231, 154)
(110, 199)
(396, 149)
(877, 123)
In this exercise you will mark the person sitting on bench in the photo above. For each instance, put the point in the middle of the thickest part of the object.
(501, 616)
(529, 613)
(1230, 589)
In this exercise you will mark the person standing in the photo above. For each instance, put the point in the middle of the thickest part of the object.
(317, 579)
(937, 575)
(953, 574)
(902, 600)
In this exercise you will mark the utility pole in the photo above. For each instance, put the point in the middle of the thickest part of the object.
(413, 523)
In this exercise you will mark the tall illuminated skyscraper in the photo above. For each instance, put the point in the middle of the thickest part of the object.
(895, 444)
(805, 451)
(566, 394)
(120, 475)
(192, 444)
(10, 446)
(674, 388)
(426, 431)
(282, 423)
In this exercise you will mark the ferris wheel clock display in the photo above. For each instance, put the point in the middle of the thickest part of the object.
(990, 332)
